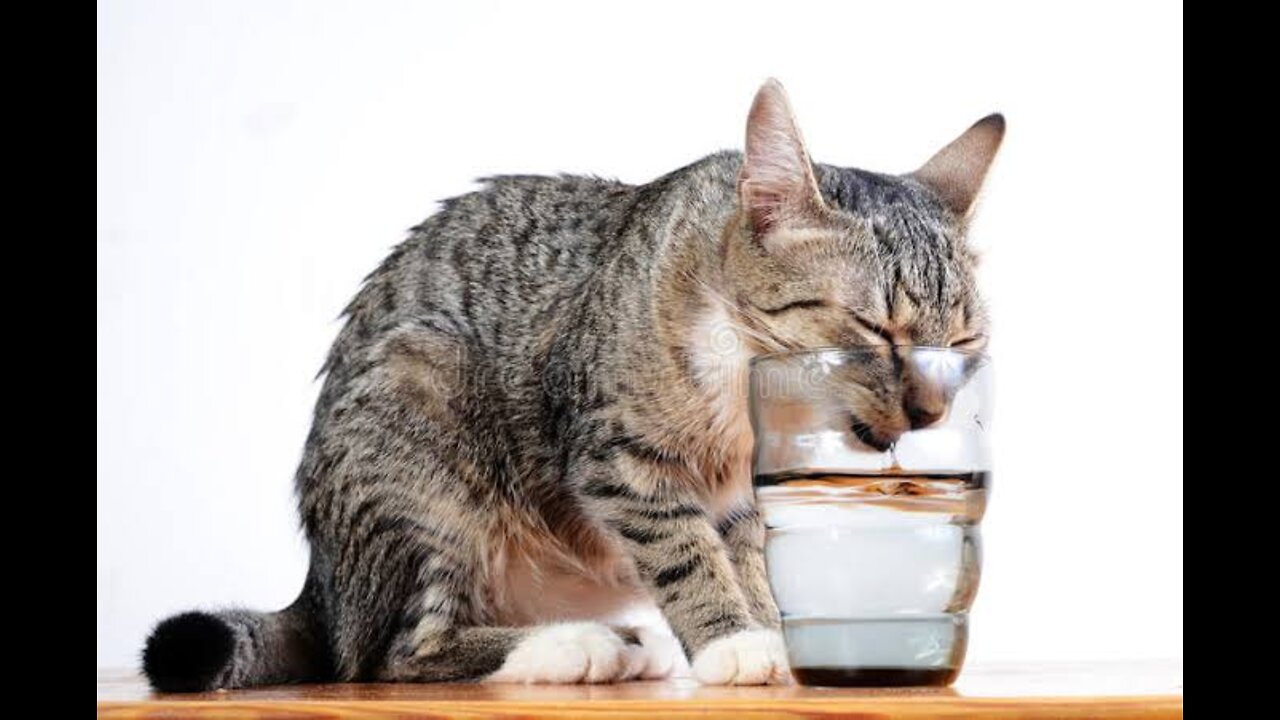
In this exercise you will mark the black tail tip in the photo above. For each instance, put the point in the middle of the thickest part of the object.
(187, 652)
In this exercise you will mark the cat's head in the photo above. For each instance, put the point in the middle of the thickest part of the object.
(821, 256)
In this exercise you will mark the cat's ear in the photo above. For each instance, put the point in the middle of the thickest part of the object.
(956, 171)
(776, 184)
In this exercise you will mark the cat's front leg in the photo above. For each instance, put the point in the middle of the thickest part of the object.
(684, 561)
(743, 532)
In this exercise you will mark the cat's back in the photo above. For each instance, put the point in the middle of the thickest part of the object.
(522, 245)
(499, 267)
(486, 270)
(515, 248)
(532, 229)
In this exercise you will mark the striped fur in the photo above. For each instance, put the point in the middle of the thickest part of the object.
(535, 413)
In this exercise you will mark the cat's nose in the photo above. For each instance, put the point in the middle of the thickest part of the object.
(922, 416)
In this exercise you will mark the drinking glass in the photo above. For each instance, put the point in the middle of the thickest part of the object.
(871, 470)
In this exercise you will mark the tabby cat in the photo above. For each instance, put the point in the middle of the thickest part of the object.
(535, 417)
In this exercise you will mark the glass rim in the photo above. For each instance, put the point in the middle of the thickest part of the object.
(851, 349)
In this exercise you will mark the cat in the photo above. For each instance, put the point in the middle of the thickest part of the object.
(534, 417)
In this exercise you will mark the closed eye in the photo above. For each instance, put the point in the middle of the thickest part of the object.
(796, 305)
(968, 341)
(874, 327)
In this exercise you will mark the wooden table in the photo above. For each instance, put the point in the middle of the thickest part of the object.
(1095, 690)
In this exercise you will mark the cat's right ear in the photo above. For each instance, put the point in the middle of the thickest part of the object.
(776, 184)
(957, 171)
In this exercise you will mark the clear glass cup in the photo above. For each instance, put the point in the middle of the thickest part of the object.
(871, 470)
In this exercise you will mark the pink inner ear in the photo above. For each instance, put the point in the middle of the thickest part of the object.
(762, 205)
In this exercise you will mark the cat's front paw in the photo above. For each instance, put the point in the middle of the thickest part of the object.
(747, 657)
(658, 654)
(581, 652)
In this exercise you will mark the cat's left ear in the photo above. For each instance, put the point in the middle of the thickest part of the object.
(956, 172)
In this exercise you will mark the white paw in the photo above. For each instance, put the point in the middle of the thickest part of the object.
(660, 653)
(581, 652)
(748, 657)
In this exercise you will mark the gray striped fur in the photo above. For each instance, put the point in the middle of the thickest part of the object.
(546, 377)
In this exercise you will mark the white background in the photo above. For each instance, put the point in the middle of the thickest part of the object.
(257, 159)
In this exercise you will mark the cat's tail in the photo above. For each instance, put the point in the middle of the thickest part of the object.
(197, 651)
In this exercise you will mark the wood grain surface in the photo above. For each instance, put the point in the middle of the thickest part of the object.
(1101, 690)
